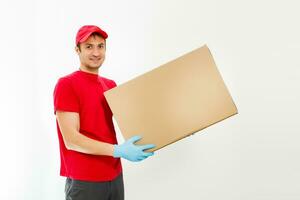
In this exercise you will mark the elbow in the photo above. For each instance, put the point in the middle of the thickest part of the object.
(70, 143)
(68, 146)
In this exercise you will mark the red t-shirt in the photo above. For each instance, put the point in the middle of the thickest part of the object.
(82, 92)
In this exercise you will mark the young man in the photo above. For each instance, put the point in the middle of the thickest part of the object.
(90, 154)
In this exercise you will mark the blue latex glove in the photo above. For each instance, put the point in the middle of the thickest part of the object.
(132, 152)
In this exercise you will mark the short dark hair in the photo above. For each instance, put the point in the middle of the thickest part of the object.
(93, 34)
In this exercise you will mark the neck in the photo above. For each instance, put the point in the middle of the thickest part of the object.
(91, 71)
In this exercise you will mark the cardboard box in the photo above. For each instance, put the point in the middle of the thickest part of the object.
(172, 101)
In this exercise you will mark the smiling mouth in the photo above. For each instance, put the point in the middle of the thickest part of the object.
(95, 60)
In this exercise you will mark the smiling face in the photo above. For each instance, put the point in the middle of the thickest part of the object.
(91, 53)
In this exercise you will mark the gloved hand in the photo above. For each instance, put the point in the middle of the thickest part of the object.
(132, 152)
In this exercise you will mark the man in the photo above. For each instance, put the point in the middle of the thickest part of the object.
(90, 154)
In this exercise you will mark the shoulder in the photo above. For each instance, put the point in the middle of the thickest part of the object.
(65, 82)
(111, 83)
(67, 79)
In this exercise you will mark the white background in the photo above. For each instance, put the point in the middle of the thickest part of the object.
(256, 45)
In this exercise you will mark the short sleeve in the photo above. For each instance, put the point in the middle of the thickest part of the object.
(64, 97)
(113, 84)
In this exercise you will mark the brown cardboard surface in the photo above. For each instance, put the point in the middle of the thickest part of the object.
(173, 100)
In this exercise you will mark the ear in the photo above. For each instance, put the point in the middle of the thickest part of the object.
(77, 50)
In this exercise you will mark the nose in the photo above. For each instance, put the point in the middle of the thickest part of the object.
(96, 52)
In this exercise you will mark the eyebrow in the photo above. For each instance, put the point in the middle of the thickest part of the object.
(92, 44)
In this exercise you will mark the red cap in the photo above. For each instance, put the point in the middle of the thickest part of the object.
(85, 31)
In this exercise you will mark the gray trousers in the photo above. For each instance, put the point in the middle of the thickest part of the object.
(86, 190)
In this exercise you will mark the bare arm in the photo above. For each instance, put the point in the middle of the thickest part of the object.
(69, 125)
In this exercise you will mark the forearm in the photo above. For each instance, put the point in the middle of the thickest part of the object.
(81, 143)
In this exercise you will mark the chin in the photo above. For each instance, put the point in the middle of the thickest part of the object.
(95, 66)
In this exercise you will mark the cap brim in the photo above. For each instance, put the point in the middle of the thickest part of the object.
(88, 35)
